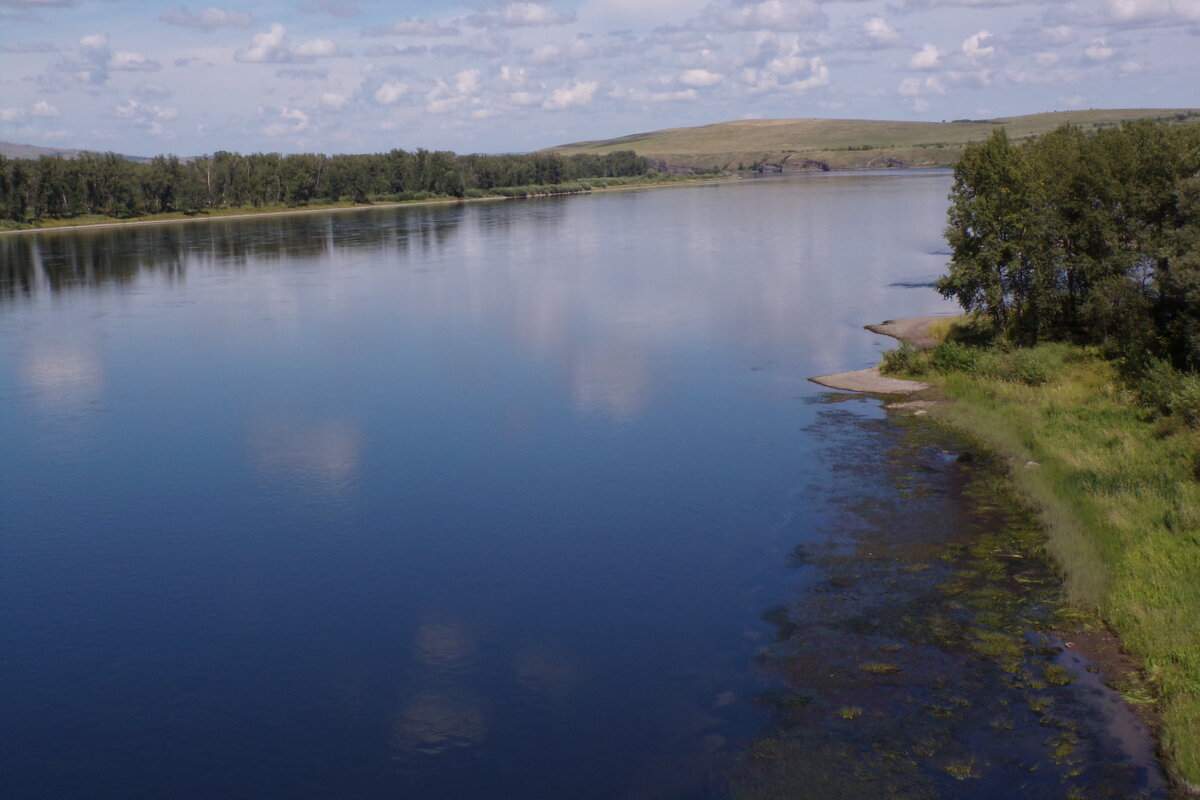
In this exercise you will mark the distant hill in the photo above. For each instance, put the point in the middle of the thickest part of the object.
(786, 145)
(14, 150)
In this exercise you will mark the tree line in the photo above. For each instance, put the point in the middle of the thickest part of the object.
(108, 184)
(1089, 238)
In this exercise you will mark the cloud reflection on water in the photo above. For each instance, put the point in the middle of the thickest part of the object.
(609, 291)
(433, 723)
(321, 456)
(63, 379)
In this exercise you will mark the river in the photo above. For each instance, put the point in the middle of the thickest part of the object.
(526, 499)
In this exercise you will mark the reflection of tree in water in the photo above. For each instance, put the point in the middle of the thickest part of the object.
(921, 663)
(58, 261)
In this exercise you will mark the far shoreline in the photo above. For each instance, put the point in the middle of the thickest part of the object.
(330, 209)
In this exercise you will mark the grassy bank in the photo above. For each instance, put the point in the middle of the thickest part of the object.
(1117, 485)
(376, 201)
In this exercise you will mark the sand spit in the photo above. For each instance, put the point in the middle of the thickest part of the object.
(913, 331)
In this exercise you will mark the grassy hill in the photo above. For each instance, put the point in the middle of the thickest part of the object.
(15, 150)
(797, 144)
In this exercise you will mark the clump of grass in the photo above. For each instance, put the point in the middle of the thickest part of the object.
(1062, 746)
(1056, 675)
(850, 712)
(1039, 703)
(880, 668)
(961, 770)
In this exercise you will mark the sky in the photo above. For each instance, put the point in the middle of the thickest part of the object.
(492, 76)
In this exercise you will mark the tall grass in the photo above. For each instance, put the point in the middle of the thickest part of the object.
(1117, 484)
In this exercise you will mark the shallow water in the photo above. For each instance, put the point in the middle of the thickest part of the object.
(922, 657)
(478, 501)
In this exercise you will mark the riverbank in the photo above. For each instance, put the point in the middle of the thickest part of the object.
(96, 223)
(1117, 489)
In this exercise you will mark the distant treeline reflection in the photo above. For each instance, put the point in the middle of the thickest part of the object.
(55, 261)
(107, 184)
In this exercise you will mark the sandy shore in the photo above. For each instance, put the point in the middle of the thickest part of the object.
(913, 331)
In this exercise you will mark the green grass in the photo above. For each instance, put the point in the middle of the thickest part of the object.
(1117, 491)
(848, 143)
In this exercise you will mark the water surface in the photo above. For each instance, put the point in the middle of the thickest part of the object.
(462, 501)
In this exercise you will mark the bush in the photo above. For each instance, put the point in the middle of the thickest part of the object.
(1185, 402)
(1022, 366)
(904, 360)
(951, 356)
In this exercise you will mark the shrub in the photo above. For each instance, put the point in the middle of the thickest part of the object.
(1185, 402)
(951, 356)
(904, 360)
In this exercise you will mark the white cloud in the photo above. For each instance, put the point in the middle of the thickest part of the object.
(440, 104)
(413, 26)
(928, 58)
(700, 78)
(11, 114)
(642, 96)
(287, 121)
(43, 110)
(773, 15)
(272, 48)
(467, 81)
(392, 50)
(577, 49)
(965, 3)
(148, 118)
(209, 19)
(390, 93)
(334, 8)
(1046, 59)
(298, 74)
(579, 93)
(974, 48)
(512, 76)
(1153, 12)
(518, 15)
(266, 47)
(315, 48)
(132, 62)
(526, 98)
(915, 87)
(482, 45)
(780, 70)
(879, 31)
(1099, 50)
(1059, 34)
(334, 100)
(152, 91)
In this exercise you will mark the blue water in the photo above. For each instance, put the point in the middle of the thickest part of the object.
(447, 502)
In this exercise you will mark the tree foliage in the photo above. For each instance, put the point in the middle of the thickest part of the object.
(107, 184)
(1091, 238)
